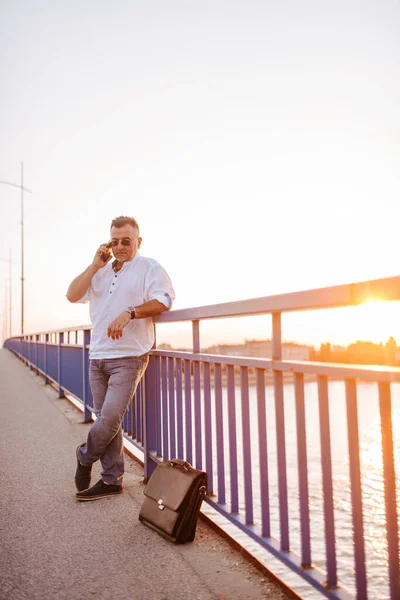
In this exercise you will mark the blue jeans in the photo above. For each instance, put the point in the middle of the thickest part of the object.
(113, 382)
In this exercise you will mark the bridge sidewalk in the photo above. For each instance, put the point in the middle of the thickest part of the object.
(53, 547)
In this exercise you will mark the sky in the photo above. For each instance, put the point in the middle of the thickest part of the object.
(257, 144)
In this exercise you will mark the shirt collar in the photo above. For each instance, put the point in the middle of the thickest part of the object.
(127, 262)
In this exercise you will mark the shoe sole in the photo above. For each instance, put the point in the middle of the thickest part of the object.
(99, 497)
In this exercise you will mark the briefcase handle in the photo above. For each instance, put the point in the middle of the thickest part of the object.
(180, 464)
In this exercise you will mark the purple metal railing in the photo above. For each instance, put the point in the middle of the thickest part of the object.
(182, 410)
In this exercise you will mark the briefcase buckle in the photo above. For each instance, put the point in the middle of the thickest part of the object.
(161, 504)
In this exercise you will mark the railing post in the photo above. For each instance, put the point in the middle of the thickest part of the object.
(150, 401)
(389, 479)
(356, 489)
(33, 353)
(196, 335)
(197, 395)
(46, 341)
(87, 415)
(280, 433)
(30, 351)
(327, 480)
(36, 337)
(60, 342)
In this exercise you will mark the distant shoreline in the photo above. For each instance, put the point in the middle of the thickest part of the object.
(288, 378)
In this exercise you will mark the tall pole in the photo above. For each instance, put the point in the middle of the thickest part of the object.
(5, 324)
(10, 294)
(22, 248)
(21, 187)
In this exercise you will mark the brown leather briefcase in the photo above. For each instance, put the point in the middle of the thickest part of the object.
(173, 497)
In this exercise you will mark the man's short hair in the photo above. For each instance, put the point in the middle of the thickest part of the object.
(121, 221)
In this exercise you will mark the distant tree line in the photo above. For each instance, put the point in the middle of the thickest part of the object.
(360, 352)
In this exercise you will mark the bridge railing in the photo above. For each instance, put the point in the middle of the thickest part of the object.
(213, 411)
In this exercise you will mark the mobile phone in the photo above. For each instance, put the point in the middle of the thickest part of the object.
(106, 255)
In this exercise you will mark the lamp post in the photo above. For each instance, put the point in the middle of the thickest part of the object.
(23, 189)
(10, 294)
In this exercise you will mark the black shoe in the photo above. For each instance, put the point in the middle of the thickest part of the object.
(82, 475)
(99, 490)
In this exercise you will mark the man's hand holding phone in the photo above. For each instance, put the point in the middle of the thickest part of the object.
(102, 256)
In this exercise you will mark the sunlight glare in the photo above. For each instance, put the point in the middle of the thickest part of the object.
(375, 320)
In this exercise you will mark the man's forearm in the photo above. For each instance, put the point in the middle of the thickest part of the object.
(80, 285)
(149, 309)
(143, 311)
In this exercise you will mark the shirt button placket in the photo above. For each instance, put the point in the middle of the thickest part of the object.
(113, 283)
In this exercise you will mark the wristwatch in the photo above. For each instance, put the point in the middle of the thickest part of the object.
(132, 311)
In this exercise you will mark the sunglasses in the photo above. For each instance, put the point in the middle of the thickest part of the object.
(124, 242)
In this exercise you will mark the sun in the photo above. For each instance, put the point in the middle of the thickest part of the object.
(375, 321)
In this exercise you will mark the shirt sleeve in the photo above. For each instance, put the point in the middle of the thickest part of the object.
(86, 297)
(159, 286)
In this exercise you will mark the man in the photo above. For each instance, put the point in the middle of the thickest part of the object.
(124, 295)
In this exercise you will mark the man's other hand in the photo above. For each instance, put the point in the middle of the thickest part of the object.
(115, 328)
(98, 262)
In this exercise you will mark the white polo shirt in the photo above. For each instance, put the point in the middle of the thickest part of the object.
(140, 280)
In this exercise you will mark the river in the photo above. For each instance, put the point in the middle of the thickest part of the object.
(372, 475)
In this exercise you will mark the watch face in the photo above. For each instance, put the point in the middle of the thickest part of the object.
(132, 311)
